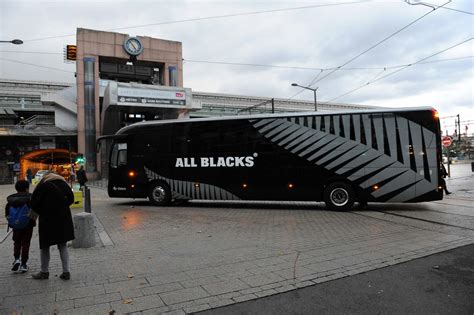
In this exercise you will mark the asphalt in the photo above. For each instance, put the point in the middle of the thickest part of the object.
(442, 283)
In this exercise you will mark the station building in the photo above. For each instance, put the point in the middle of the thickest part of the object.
(119, 80)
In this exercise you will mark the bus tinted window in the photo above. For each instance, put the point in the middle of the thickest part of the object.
(119, 155)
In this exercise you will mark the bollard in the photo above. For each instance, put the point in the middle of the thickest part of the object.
(84, 230)
(472, 166)
(87, 199)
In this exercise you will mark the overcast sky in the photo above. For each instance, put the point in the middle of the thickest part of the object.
(312, 37)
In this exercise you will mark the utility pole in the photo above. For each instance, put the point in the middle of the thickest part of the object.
(459, 129)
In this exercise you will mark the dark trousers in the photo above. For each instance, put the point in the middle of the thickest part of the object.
(21, 243)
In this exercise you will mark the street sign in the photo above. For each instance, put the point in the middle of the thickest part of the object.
(447, 141)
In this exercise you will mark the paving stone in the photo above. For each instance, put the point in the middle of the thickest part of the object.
(249, 291)
(225, 287)
(133, 293)
(207, 300)
(138, 304)
(157, 310)
(260, 280)
(97, 299)
(175, 312)
(161, 288)
(103, 308)
(285, 288)
(76, 293)
(199, 281)
(126, 285)
(44, 308)
(266, 293)
(168, 278)
(197, 308)
(244, 298)
(183, 295)
(271, 286)
(32, 299)
(221, 303)
(182, 305)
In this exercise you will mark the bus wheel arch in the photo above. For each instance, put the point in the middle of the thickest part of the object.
(159, 193)
(339, 196)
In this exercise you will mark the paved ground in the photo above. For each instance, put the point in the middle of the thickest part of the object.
(438, 284)
(205, 255)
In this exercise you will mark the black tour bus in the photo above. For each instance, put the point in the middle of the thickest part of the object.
(386, 155)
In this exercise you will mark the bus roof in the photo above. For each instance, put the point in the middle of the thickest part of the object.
(127, 129)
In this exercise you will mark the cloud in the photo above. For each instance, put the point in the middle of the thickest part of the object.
(312, 37)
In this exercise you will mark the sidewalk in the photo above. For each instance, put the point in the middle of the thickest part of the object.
(201, 256)
(438, 284)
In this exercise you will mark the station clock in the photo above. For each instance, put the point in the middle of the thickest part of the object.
(133, 46)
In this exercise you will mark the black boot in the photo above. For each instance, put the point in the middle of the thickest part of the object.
(65, 276)
(41, 275)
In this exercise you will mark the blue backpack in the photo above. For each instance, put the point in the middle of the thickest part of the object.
(18, 216)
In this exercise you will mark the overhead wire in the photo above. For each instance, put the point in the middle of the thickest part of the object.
(35, 65)
(400, 69)
(321, 70)
(369, 49)
(447, 8)
(212, 18)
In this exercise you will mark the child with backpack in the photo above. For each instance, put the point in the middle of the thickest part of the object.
(17, 212)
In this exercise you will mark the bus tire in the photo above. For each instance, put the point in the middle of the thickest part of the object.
(159, 193)
(339, 196)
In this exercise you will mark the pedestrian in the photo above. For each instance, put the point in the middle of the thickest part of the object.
(29, 175)
(17, 212)
(444, 174)
(81, 177)
(51, 200)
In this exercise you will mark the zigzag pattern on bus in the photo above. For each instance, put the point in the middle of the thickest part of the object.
(191, 190)
(389, 152)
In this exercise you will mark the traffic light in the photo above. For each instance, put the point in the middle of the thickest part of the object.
(71, 52)
(80, 159)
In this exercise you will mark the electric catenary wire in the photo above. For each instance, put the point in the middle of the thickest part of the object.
(34, 65)
(369, 49)
(400, 69)
(213, 18)
(383, 69)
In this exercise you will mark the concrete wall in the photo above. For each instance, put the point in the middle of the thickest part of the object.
(64, 119)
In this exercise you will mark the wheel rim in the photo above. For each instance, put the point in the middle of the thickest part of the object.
(339, 197)
(159, 194)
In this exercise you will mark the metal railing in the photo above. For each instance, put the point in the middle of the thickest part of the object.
(37, 120)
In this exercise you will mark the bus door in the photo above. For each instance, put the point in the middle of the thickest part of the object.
(118, 170)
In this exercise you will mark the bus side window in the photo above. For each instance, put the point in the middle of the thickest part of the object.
(113, 157)
(122, 158)
(119, 155)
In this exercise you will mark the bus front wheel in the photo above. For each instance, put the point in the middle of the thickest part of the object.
(159, 193)
(339, 196)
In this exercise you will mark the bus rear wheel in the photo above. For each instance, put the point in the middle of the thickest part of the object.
(339, 196)
(159, 193)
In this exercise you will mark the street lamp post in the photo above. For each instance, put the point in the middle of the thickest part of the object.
(311, 89)
(15, 41)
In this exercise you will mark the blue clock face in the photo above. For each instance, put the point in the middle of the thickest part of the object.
(133, 46)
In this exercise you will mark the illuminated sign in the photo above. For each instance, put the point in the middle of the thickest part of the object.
(150, 97)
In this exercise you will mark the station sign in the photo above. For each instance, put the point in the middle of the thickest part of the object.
(151, 97)
(447, 141)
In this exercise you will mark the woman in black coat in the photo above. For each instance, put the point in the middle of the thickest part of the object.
(51, 200)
